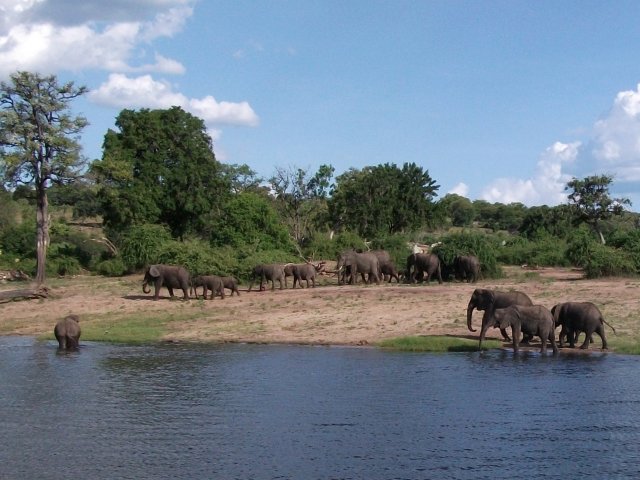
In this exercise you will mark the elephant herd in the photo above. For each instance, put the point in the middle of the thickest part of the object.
(516, 310)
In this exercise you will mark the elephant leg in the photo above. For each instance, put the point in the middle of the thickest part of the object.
(185, 293)
(515, 333)
(552, 341)
(505, 335)
(170, 291)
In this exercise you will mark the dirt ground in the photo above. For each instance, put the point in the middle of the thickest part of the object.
(327, 314)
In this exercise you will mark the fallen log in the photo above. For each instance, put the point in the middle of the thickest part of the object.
(24, 294)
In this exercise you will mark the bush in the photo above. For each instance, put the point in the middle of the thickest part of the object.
(322, 246)
(141, 244)
(250, 260)
(598, 260)
(20, 240)
(63, 266)
(469, 243)
(199, 257)
(113, 267)
(544, 250)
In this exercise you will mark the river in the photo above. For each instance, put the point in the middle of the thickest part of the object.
(301, 412)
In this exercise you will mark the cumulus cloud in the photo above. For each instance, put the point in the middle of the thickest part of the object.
(461, 189)
(33, 38)
(547, 185)
(145, 92)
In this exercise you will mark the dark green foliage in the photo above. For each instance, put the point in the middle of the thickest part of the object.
(20, 240)
(557, 221)
(469, 243)
(159, 168)
(459, 210)
(80, 195)
(543, 250)
(397, 246)
(63, 265)
(112, 267)
(599, 260)
(141, 245)
(249, 260)
(198, 257)
(383, 199)
(628, 241)
(250, 219)
(592, 203)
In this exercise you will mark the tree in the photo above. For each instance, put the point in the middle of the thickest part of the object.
(158, 168)
(383, 199)
(459, 209)
(592, 203)
(301, 198)
(241, 178)
(39, 141)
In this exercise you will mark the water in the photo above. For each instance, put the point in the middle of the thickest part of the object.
(280, 412)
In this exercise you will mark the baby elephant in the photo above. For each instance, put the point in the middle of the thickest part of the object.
(208, 282)
(232, 284)
(577, 317)
(530, 320)
(67, 332)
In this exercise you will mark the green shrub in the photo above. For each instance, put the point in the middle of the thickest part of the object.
(112, 267)
(20, 240)
(605, 261)
(141, 245)
(199, 257)
(543, 250)
(63, 265)
(250, 260)
(469, 243)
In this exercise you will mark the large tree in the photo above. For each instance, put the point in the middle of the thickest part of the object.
(39, 142)
(301, 197)
(158, 168)
(383, 199)
(592, 202)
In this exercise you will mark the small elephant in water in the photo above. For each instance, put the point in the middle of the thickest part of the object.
(270, 272)
(67, 332)
(534, 320)
(208, 282)
(489, 300)
(169, 276)
(576, 317)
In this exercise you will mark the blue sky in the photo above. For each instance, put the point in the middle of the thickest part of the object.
(499, 100)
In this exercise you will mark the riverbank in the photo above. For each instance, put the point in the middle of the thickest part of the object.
(115, 309)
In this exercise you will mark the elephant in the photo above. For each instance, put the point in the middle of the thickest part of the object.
(576, 317)
(67, 332)
(208, 282)
(170, 276)
(288, 272)
(534, 320)
(423, 265)
(390, 270)
(231, 283)
(365, 263)
(489, 300)
(466, 268)
(304, 271)
(269, 272)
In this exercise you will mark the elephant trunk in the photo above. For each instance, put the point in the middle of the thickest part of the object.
(470, 308)
(145, 287)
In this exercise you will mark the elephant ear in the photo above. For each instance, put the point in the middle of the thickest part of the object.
(154, 271)
(555, 311)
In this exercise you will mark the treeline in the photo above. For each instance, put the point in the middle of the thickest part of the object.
(159, 195)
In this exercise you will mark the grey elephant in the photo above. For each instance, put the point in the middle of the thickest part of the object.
(487, 300)
(67, 332)
(534, 320)
(466, 268)
(365, 264)
(211, 283)
(270, 272)
(423, 265)
(577, 317)
(169, 276)
(288, 272)
(388, 270)
(231, 283)
(304, 271)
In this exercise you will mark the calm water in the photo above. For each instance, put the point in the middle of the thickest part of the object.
(280, 412)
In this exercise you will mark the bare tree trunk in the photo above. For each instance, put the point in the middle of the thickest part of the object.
(42, 234)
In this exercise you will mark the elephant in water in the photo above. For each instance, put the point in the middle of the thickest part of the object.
(489, 300)
(169, 276)
(67, 332)
(534, 320)
(576, 317)
(270, 272)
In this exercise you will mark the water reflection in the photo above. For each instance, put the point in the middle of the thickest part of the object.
(242, 411)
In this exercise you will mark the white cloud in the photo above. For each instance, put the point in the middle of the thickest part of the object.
(547, 185)
(461, 189)
(44, 45)
(145, 92)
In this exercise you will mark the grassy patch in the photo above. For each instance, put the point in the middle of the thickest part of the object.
(625, 345)
(136, 328)
(436, 343)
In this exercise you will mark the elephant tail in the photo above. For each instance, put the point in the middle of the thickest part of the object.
(607, 323)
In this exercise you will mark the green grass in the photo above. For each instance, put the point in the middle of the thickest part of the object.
(436, 343)
(622, 344)
(133, 329)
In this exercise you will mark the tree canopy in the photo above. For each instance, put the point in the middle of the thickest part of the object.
(383, 199)
(158, 168)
